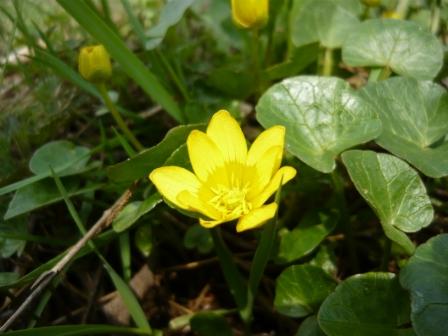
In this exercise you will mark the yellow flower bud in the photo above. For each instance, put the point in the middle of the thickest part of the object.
(250, 13)
(94, 63)
(371, 3)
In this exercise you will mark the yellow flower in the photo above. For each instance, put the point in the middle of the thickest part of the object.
(250, 13)
(94, 63)
(229, 182)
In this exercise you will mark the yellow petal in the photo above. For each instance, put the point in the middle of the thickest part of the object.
(170, 181)
(272, 137)
(283, 175)
(205, 156)
(256, 217)
(265, 167)
(226, 133)
(193, 203)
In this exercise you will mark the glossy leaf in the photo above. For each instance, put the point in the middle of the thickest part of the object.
(40, 194)
(415, 121)
(143, 163)
(310, 232)
(403, 46)
(369, 304)
(426, 277)
(300, 289)
(133, 211)
(323, 116)
(57, 155)
(323, 21)
(171, 13)
(393, 190)
(310, 327)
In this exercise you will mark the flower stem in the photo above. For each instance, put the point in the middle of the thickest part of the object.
(118, 119)
(327, 69)
(255, 51)
(231, 273)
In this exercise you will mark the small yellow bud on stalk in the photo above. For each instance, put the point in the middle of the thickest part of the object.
(94, 64)
(250, 13)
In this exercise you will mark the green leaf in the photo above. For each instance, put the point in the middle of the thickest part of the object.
(426, 277)
(9, 246)
(206, 324)
(415, 121)
(171, 13)
(393, 190)
(300, 289)
(133, 211)
(310, 327)
(144, 162)
(198, 238)
(130, 63)
(322, 21)
(323, 117)
(78, 330)
(369, 304)
(40, 194)
(8, 277)
(403, 46)
(310, 232)
(57, 154)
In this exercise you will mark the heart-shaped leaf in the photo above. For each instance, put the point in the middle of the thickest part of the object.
(403, 46)
(426, 277)
(307, 235)
(310, 327)
(323, 21)
(394, 191)
(63, 156)
(369, 304)
(415, 121)
(323, 117)
(300, 289)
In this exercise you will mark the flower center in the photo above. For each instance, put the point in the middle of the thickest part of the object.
(231, 202)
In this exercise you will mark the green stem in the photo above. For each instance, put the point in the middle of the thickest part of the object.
(435, 18)
(328, 62)
(255, 52)
(379, 74)
(231, 273)
(261, 258)
(345, 218)
(118, 119)
(402, 8)
(386, 255)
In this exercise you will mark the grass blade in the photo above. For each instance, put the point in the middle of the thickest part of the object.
(91, 22)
